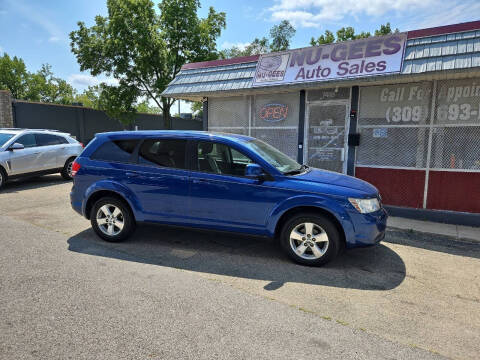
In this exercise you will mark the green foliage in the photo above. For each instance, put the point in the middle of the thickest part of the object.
(281, 35)
(14, 76)
(385, 30)
(40, 86)
(197, 109)
(197, 106)
(90, 97)
(145, 107)
(118, 102)
(328, 38)
(145, 50)
(348, 33)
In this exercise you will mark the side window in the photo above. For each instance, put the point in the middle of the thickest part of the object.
(163, 152)
(116, 151)
(48, 139)
(221, 159)
(27, 140)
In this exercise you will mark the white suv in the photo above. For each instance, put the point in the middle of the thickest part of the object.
(26, 152)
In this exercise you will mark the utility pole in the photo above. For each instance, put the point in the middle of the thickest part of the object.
(178, 107)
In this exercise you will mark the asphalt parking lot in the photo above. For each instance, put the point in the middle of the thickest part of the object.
(171, 293)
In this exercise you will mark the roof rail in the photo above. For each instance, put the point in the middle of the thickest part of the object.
(46, 130)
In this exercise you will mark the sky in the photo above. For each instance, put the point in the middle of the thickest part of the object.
(37, 31)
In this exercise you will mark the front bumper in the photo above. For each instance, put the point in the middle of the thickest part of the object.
(369, 229)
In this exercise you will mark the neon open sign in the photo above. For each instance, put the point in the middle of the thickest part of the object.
(273, 112)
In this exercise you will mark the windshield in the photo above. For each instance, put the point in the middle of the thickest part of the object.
(274, 157)
(4, 137)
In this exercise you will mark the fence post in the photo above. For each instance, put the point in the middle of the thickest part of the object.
(6, 113)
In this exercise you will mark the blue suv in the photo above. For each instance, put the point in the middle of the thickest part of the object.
(223, 182)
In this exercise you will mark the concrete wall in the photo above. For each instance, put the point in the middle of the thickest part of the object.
(6, 116)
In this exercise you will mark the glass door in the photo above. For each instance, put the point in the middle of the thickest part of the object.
(326, 133)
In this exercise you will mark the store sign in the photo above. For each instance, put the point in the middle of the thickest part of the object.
(358, 58)
(273, 112)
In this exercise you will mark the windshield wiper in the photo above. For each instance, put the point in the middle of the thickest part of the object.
(297, 171)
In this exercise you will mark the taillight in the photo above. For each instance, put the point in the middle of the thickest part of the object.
(83, 146)
(75, 167)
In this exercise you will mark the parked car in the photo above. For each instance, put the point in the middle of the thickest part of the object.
(223, 182)
(26, 152)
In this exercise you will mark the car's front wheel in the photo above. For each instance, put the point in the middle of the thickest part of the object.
(310, 239)
(112, 219)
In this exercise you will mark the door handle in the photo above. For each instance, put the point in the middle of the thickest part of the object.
(199, 181)
(132, 174)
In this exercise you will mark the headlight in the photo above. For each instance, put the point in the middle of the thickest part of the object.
(365, 205)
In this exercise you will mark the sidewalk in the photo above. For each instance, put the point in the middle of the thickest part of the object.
(456, 231)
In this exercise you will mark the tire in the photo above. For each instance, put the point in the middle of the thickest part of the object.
(3, 177)
(107, 225)
(67, 169)
(319, 248)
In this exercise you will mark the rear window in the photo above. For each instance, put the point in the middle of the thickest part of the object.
(116, 151)
(163, 152)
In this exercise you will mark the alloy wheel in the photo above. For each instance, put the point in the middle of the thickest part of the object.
(110, 220)
(309, 241)
(69, 168)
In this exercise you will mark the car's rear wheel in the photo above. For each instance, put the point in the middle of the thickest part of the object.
(310, 239)
(112, 219)
(3, 177)
(67, 169)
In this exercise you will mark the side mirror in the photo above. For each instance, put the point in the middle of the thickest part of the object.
(254, 171)
(16, 146)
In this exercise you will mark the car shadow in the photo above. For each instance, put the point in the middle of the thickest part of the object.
(28, 183)
(374, 268)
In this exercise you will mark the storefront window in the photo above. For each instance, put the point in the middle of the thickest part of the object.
(456, 125)
(393, 123)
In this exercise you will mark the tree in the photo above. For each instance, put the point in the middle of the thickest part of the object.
(281, 35)
(90, 97)
(328, 38)
(51, 89)
(385, 30)
(197, 109)
(144, 50)
(40, 86)
(14, 76)
(256, 47)
(145, 107)
(348, 33)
